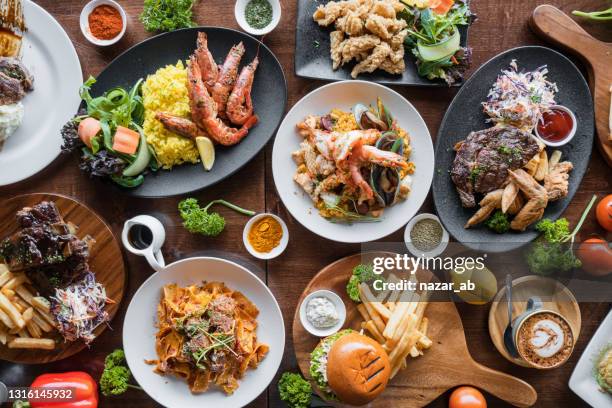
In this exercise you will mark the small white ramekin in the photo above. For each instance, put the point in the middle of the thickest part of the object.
(417, 252)
(239, 13)
(340, 308)
(276, 251)
(84, 22)
(571, 134)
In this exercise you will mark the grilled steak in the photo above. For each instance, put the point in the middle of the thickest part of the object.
(484, 158)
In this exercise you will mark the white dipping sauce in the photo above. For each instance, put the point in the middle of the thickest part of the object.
(11, 117)
(321, 312)
(548, 338)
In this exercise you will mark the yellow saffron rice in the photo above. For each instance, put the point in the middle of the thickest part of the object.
(166, 91)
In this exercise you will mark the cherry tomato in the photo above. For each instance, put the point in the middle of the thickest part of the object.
(596, 256)
(604, 212)
(467, 397)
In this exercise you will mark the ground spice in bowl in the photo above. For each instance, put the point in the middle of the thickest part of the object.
(265, 234)
(426, 234)
(258, 13)
(105, 22)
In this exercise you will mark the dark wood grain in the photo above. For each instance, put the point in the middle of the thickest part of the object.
(555, 26)
(105, 261)
(447, 364)
(501, 25)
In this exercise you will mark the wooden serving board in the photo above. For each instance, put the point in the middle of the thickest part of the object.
(447, 364)
(106, 261)
(554, 295)
(557, 27)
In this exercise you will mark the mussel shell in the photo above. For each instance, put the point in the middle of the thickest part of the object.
(383, 113)
(366, 119)
(390, 141)
(385, 182)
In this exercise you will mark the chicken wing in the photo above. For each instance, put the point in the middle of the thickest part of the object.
(556, 181)
(488, 204)
(537, 200)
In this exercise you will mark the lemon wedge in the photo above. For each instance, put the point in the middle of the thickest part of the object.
(207, 151)
(485, 285)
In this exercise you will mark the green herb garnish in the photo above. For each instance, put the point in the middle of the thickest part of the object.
(198, 220)
(167, 15)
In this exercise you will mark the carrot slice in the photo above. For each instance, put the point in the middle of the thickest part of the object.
(126, 140)
(441, 6)
(88, 129)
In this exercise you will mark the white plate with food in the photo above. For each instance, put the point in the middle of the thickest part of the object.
(353, 161)
(587, 379)
(36, 111)
(216, 313)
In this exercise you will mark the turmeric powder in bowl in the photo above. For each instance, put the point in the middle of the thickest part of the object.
(265, 234)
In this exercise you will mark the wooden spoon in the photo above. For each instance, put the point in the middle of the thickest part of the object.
(447, 364)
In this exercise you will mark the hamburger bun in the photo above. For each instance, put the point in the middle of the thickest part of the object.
(358, 369)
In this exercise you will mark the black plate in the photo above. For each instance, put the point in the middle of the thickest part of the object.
(465, 115)
(269, 99)
(314, 62)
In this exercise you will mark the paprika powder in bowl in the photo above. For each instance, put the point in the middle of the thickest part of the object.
(103, 22)
(265, 236)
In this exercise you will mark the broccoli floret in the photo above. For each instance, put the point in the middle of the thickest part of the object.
(116, 376)
(498, 222)
(361, 274)
(295, 390)
(198, 220)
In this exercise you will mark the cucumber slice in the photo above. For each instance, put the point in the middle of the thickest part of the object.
(143, 157)
(441, 50)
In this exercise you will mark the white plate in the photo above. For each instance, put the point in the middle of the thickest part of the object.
(582, 381)
(51, 58)
(139, 333)
(344, 95)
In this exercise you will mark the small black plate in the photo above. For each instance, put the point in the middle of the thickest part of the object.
(312, 59)
(465, 115)
(269, 100)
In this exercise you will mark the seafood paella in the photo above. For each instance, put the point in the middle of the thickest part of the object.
(354, 164)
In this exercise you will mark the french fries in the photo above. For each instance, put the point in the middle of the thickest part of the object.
(25, 318)
(542, 169)
(30, 343)
(397, 323)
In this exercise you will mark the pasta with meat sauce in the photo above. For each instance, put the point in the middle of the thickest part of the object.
(207, 334)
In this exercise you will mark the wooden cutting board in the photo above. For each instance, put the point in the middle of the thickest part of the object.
(447, 364)
(557, 27)
(105, 260)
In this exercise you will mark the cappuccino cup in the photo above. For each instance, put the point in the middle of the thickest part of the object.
(543, 338)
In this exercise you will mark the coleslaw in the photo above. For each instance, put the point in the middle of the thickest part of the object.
(519, 98)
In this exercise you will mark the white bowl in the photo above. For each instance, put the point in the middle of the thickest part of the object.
(417, 252)
(276, 251)
(84, 22)
(340, 308)
(345, 95)
(239, 11)
(571, 134)
(139, 331)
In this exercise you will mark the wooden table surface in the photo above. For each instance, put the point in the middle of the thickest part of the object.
(500, 26)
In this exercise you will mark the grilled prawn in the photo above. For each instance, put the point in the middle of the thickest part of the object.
(227, 78)
(239, 104)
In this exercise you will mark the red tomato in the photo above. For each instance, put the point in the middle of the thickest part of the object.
(604, 212)
(467, 397)
(596, 256)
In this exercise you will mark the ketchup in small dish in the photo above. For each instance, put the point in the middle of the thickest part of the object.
(557, 126)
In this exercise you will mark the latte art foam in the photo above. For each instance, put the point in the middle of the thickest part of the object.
(548, 338)
(545, 340)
